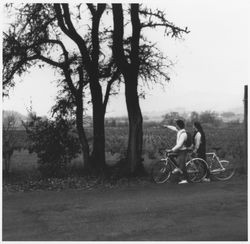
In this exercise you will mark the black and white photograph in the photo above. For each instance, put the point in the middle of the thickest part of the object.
(125, 121)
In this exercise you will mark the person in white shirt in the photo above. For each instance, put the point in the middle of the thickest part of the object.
(180, 148)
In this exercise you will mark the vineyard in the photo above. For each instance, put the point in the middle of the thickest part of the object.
(230, 137)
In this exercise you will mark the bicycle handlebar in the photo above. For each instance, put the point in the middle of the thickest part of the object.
(168, 152)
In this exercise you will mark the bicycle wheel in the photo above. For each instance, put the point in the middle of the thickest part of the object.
(196, 169)
(160, 172)
(227, 173)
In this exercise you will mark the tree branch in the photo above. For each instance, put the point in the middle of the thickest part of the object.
(81, 82)
(118, 33)
(96, 16)
(163, 22)
(115, 76)
(51, 62)
(70, 82)
(135, 21)
(91, 8)
(71, 32)
(100, 9)
(9, 77)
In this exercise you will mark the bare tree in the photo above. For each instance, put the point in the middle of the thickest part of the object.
(130, 66)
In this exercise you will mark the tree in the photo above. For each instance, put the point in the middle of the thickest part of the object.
(210, 117)
(54, 141)
(194, 117)
(34, 37)
(90, 60)
(79, 67)
(130, 66)
(171, 117)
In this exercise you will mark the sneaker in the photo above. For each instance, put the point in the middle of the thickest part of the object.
(177, 170)
(183, 182)
(206, 180)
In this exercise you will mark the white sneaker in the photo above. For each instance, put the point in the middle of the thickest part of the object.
(183, 182)
(177, 170)
(206, 180)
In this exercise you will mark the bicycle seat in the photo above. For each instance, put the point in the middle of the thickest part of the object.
(216, 148)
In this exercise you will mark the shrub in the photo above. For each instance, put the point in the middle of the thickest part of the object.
(55, 142)
(11, 141)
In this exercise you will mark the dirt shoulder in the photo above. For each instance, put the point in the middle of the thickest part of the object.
(204, 211)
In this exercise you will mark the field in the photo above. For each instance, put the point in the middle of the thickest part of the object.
(230, 137)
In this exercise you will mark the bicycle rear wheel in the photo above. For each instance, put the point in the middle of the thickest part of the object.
(196, 169)
(227, 173)
(160, 172)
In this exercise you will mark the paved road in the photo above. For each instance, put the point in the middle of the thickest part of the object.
(206, 212)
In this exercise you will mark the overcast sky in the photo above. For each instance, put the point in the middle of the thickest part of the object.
(212, 63)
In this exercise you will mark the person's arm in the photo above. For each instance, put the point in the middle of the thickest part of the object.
(197, 141)
(180, 142)
(171, 127)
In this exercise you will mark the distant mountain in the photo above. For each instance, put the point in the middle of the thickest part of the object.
(236, 113)
(236, 110)
(157, 116)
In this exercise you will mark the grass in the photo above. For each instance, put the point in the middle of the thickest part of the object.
(24, 161)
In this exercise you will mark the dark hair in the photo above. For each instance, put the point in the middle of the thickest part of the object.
(180, 123)
(198, 126)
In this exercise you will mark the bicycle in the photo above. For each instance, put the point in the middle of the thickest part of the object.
(219, 169)
(162, 169)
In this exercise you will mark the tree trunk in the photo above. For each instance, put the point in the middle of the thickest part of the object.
(130, 71)
(81, 133)
(245, 128)
(134, 150)
(98, 154)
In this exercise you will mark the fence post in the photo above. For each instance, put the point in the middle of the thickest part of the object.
(245, 166)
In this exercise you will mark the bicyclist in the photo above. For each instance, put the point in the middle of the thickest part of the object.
(180, 149)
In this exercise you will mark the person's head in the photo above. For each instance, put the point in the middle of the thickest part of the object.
(197, 126)
(180, 124)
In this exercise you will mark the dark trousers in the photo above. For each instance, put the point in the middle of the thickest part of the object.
(181, 162)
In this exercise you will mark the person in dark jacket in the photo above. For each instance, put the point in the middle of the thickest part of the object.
(199, 142)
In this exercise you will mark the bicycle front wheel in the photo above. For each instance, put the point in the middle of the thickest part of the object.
(196, 169)
(160, 172)
(226, 173)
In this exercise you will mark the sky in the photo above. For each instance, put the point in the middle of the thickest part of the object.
(211, 63)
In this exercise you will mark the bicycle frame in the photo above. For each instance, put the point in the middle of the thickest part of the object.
(213, 159)
(168, 159)
(196, 168)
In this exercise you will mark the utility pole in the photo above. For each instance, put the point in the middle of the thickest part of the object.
(245, 128)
